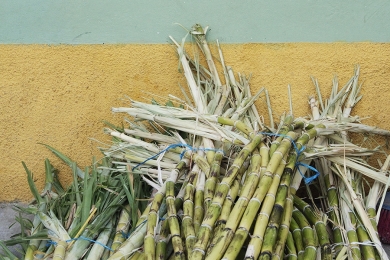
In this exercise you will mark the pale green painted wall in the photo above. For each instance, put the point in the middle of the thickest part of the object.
(139, 21)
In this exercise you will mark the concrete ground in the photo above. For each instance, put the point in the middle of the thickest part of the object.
(7, 218)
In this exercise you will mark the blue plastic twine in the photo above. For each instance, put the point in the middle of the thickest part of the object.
(90, 240)
(188, 147)
(307, 180)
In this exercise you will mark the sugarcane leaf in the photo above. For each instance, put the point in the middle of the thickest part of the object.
(75, 184)
(49, 171)
(32, 186)
(87, 196)
(169, 104)
(117, 128)
(65, 159)
(7, 251)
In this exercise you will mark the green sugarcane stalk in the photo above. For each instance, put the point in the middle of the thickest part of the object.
(93, 229)
(238, 210)
(32, 247)
(132, 244)
(297, 235)
(60, 250)
(371, 214)
(199, 159)
(199, 198)
(291, 252)
(257, 239)
(366, 246)
(173, 219)
(349, 225)
(322, 234)
(137, 255)
(250, 213)
(41, 249)
(277, 214)
(162, 239)
(225, 215)
(97, 249)
(149, 242)
(333, 208)
(212, 180)
(179, 199)
(107, 252)
(188, 210)
(144, 215)
(215, 207)
(283, 233)
(287, 127)
(121, 228)
(308, 236)
(60, 234)
(261, 191)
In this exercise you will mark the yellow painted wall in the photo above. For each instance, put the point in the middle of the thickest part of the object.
(59, 94)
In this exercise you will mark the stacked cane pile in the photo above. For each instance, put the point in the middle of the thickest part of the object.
(226, 185)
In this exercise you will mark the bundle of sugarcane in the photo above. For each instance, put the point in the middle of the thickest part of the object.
(87, 220)
(226, 185)
(237, 195)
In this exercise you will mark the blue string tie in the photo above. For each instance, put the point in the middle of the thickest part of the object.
(188, 148)
(307, 180)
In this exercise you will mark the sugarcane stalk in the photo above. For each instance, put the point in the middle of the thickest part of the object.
(333, 211)
(261, 191)
(97, 249)
(322, 234)
(149, 240)
(121, 228)
(349, 220)
(60, 250)
(238, 210)
(283, 232)
(162, 239)
(132, 244)
(257, 239)
(366, 246)
(278, 213)
(137, 255)
(107, 251)
(361, 212)
(188, 210)
(225, 215)
(286, 127)
(212, 180)
(199, 197)
(173, 220)
(308, 236)
(215, 207)
(221, 243)
(374, 194)
(297, 235)
(92, 230)
(291, 252)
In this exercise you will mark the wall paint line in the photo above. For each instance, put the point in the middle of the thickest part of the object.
(138, 21)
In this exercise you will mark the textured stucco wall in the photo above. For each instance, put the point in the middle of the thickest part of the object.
(59, 95)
